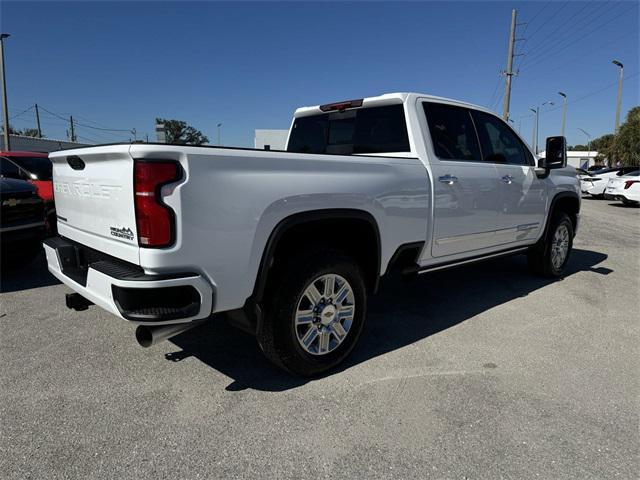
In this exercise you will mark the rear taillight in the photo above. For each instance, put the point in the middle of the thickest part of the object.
(628, 183)
(154, 219)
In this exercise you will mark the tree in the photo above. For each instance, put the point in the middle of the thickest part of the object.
(626, 145)
(12, 131)
(178, 132)
(31, 132)
(602, 145)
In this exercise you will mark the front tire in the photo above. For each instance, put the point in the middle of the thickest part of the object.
(549, 258)
(316, 314)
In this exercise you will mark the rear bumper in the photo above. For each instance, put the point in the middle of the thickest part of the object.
(125, 289)
(619, 197)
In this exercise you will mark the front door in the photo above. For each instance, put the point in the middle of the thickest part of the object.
(522, 193)
(466, 199)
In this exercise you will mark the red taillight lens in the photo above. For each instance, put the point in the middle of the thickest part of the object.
(628, 183)
(154, 219)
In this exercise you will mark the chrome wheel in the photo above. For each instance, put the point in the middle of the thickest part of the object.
(559, 246)
(324, 314)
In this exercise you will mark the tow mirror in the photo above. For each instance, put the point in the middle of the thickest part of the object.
(555, 155)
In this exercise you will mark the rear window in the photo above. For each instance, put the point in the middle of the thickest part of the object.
(365, 130)
(41, 167)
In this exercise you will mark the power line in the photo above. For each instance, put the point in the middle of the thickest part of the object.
(581, 58)
(550, 38)
(493, 95)
(552, 16)
(544, 57)
(84, 125)
(536, 15)
(544, 53)
(21, 113)
(579, 99)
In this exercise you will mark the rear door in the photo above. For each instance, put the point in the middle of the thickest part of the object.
(93, 190)
(522, 195)
(466, 188)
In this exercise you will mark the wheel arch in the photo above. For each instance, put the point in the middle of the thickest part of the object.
(568, 202)
(297, 222)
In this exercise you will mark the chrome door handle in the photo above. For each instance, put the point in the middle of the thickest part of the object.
(508, 179)
(448, 179)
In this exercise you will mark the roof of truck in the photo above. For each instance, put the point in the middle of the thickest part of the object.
(390, 98)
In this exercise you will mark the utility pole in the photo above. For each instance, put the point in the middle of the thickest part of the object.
(38, 121)
(73, 132)
(5, 108)
(619, 101)
(564, 112)
(219, 125)
(509, 71)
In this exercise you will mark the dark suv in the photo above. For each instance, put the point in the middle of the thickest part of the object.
(22, 222)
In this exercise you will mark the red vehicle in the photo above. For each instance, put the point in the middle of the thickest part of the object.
(34, 167)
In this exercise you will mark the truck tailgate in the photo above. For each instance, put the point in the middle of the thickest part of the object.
(94, 198)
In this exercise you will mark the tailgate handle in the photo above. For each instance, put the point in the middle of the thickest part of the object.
(75, 162)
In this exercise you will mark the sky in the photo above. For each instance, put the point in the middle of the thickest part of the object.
(250, 65)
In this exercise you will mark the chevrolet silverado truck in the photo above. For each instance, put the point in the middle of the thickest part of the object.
(289, 244)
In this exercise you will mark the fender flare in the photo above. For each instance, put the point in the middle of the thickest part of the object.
(306, 217)
(552, 208)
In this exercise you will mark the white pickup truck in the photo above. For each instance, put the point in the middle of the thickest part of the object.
(289, 244)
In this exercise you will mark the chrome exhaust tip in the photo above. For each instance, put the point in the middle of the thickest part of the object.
(149, 335)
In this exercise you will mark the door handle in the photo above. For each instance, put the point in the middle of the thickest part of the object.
(508, 179)
(448, 179)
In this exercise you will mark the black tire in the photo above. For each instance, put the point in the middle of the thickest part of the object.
(540, 256)
(278, 336)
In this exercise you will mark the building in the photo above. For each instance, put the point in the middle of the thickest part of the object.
(579, 159)
(34, 144)
(271, 139)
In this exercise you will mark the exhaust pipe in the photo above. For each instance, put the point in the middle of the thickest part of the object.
(147, 335)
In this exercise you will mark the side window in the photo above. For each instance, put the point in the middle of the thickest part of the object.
(452, 132)
(498, 142)
(8, 169)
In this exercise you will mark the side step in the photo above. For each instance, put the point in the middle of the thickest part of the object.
(77, 302)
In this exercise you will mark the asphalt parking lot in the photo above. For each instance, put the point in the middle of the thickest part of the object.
(478, 373)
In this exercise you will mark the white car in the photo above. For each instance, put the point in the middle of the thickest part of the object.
(596, 184)
(289, 244)
(625, 188)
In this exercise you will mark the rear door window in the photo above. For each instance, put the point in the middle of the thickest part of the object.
(354, 131)
(452, 132)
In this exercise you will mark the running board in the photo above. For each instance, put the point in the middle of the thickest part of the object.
(456, 263)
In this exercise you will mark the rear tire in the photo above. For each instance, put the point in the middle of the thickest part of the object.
(316, 314)
(550, 256)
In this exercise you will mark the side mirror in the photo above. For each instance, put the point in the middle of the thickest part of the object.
(555, 155)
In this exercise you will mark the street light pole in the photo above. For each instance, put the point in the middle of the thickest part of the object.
(534, 141)
(5, 109)
(536, 124)
(564, 112)
(219, 125)
(619, 101)
(588, 145)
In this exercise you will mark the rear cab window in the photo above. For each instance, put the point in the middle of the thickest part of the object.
(367, 130)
